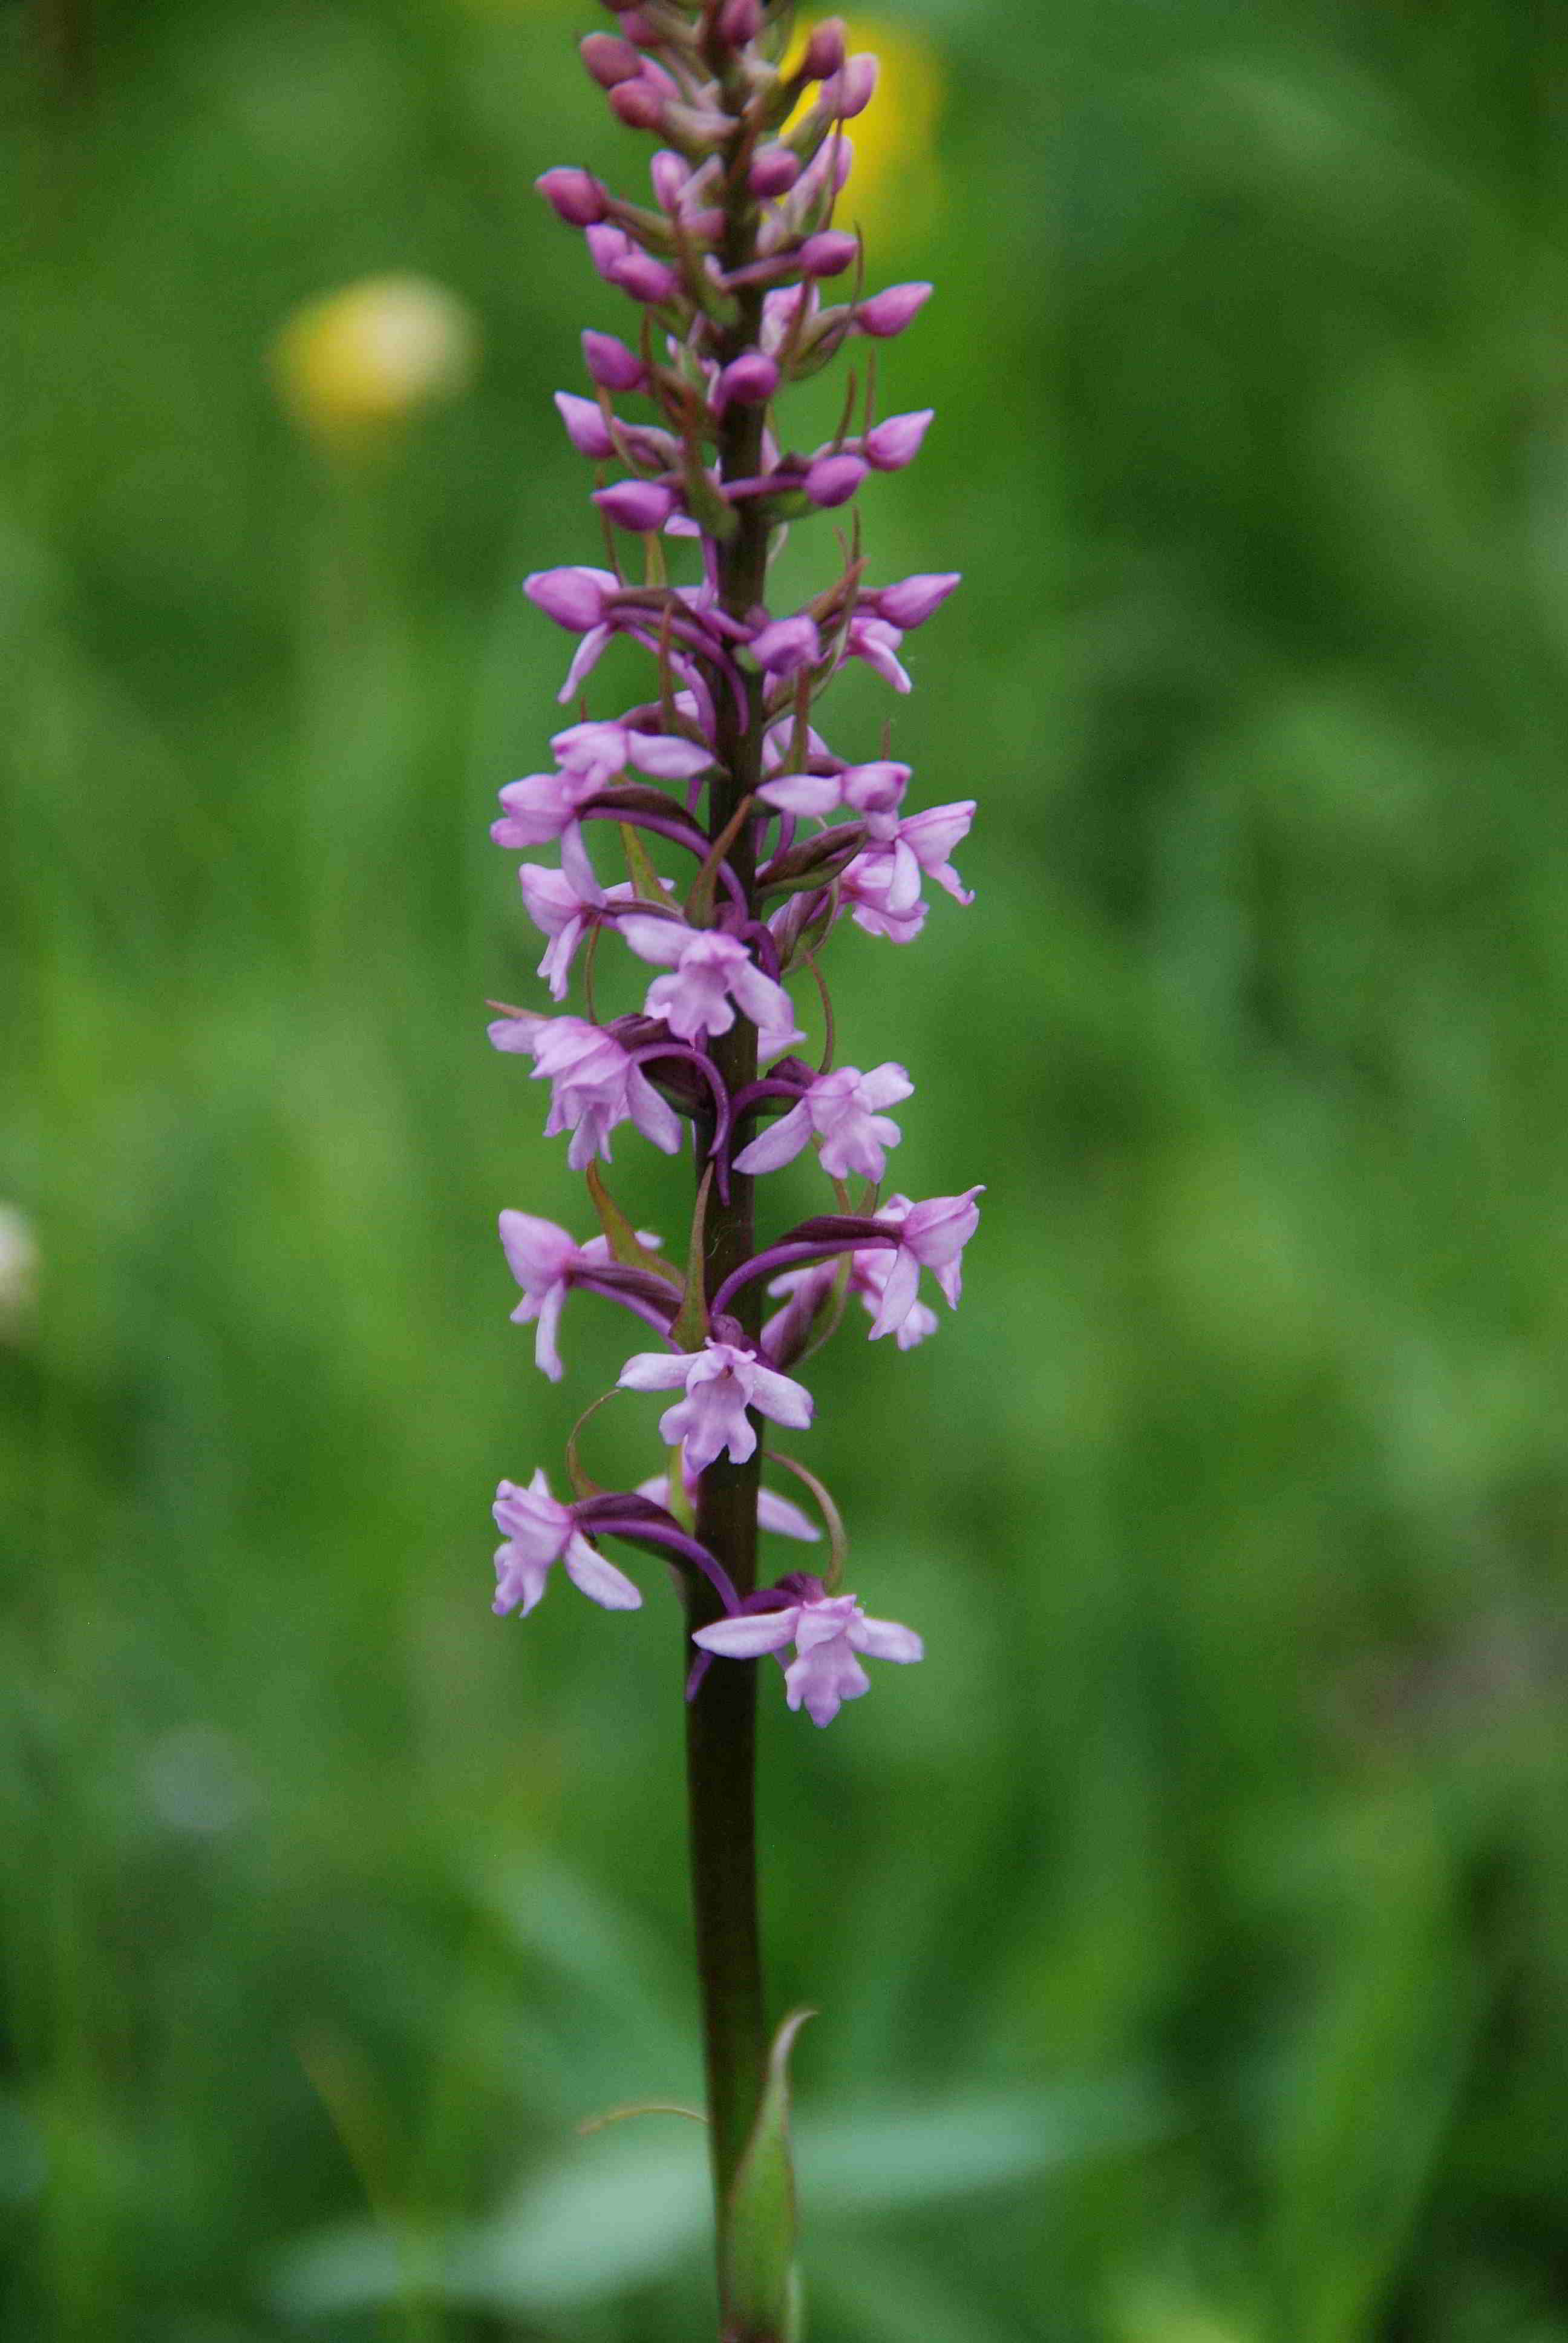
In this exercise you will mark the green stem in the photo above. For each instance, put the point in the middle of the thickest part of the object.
(722, 1720)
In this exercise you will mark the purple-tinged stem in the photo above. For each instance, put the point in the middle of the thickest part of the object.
(721, 1715)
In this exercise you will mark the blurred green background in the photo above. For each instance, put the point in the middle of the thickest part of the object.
(1192, 1931)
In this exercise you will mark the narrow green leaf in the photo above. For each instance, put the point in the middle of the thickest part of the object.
(689, 1330)
(644, 882)
(620, 1236)
(761, 2291)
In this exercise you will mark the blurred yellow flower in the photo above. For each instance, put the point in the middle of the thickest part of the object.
(896, 186)
(356, 363)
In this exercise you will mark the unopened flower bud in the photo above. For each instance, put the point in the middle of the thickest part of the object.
(741, 21)
(644, 279)
(889, 312)
(851, 91)
(610, 363)
(888, 446)
(670, 175)
(911, 602)
(574, 597)
(609, 59)
(607, 245)
(575, 196)
(833, 479)
(787, 645)
(828, 254)
(774, 171)
(586, 427)
(824, 50)
(749, 380)
(639, 103)
(639, 505)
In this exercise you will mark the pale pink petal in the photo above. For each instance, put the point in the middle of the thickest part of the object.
(775, 1395)
(765, 1003)
(885, 1085)
(518, 1034)
(599, 1580)
(662, 942)
(821, 1681)
(589, 1140)
(898, 1294)
(712, 1417)
(691, 1001)
(777, 1514)
(749, 1635)
(538, 1252)
(824, 1620)
(589, 651)
(815, 794)
(520, 1580)
(667, 758)
(654, 1116)
(884, 1639)
(656, 1371)
(576, 864)
(546, 1357)
(933, 834)
(772, 1149)
(903, 888)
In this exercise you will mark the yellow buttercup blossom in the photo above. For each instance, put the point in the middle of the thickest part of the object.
(895, 186)
(354, 364)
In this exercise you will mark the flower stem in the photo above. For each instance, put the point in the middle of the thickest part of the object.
(721, 1718)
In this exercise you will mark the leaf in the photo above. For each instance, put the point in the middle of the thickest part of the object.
(606, 2218)
(620, 1236)
(689, 1330)
(760, 2290)
(645, 879)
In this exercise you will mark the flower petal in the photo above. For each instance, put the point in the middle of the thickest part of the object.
(766, 1003)
(898, 1294)
(599, 1580)
(775, 1395)
(823, 1680)
(884, 1639)
(817, 794)
(667, 758)
(749, 1635)
(662, 942)
(655, 1371)
(546, 1357)
(772, 1149)
(777, 1514)
(654, 1116)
